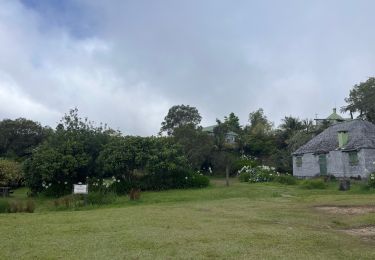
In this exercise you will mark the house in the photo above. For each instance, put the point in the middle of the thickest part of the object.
(345, 149)
(332, 119)
(230, 137)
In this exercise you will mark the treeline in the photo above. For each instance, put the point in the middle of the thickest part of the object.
(50, 160)
(259, 140)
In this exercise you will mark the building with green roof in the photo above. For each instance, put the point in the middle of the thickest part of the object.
(332, 119)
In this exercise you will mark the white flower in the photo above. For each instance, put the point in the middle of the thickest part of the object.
(186, 178)
(118, 180)
(65, 182)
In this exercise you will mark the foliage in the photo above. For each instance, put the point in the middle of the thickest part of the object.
(198, 180)
(361, 100)
(286, 179)
(17, 206)
(314, 184)
(20, 136)
(146, 162)
(220, 131)
(244, 160)
(371, 180)
(67, 157)
(99, 198)
(233, 123)
(196, 144)
(10, 173)
(257, 174)
(117, 185)
(123, 155)
(258, 138)
(4, 206)
(180, 115)
(259, 123)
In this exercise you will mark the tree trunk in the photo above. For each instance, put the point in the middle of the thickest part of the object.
(227, 175)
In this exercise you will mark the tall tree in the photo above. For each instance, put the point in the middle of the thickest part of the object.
(20, 136)
(362, 100)
(197, 145)
(259, 122)
(180, 115)
(233, 123)
(291, 124)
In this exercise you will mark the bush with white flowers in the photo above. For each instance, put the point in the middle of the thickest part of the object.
(260, 173)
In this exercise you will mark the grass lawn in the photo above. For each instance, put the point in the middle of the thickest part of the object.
(244, 221)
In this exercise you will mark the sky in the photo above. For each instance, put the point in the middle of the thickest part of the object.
(125, 63)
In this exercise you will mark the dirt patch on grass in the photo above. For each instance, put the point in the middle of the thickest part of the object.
(365, 232)
(347, 210)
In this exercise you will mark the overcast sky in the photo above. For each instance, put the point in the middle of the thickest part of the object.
(126, 63)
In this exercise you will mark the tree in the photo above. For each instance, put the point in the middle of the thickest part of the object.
(259, 122)
(362, 100)
(67, 157)
(123, 155)
(224, 152)
(197, 145)
(180, 115)
(10, 173)
(258, 138)
(291, 124)
(233, 123)
(20, 136)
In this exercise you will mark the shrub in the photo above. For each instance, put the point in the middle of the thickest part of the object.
(15, 206)
(10, 173)
(69, 201)
(99, 198)
(198, 181)
(30, 206)
(4, 206)
(314, 184)
(257, 174)
(286, 179)
(244, 160)
(371, 180)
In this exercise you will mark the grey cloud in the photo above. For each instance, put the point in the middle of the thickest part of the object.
(127, 62)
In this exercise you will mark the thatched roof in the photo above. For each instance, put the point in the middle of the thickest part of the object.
(361, 135)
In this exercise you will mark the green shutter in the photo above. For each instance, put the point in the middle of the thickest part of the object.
(323, 164)
(353, 158)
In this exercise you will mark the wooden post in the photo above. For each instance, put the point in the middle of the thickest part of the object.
(227, 175)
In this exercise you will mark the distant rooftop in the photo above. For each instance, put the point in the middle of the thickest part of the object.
(333, 118)
(210, 129)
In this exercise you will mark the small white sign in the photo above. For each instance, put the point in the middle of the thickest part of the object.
(80, 189)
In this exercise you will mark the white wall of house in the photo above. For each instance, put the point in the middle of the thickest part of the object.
(369, 159)
(337, 164)
(309, 168)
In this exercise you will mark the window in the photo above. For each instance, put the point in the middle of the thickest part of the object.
(299, 161)
(353, 158)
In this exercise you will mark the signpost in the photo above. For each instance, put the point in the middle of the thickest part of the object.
(81, 189)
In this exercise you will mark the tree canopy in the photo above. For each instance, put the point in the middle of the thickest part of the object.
(362, 100)
(18, 137)
(180, 115)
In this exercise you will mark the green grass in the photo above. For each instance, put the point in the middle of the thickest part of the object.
(243, 221)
